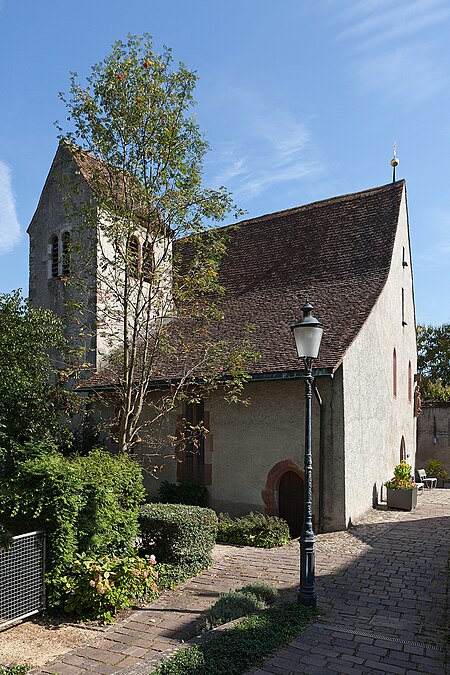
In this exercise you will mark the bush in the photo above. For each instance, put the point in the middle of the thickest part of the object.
(15, 670)
(255, 529)
(262, 591)
(85, 504)
(231, 606)
(170, 575)
(244, 645)
(5, 538)
(99, 587)
(436, 470)
(178, 534)
(242, 602)
(183, 492)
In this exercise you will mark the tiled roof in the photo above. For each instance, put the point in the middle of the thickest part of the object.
(334, 253)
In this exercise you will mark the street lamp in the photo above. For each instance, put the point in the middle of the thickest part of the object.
(307, 335)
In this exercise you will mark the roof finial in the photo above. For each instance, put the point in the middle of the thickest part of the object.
(394, 162)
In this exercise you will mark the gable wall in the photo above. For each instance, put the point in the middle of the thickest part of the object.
(375, 420)
(51, 218)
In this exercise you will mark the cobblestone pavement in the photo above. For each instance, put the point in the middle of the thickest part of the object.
(381, 585)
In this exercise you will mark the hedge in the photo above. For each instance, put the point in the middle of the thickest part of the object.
(179, 534)
(85, 504)
(254, 529)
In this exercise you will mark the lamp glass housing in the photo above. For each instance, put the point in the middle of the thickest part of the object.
(307, 339)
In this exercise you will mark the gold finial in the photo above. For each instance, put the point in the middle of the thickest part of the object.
(394, 162)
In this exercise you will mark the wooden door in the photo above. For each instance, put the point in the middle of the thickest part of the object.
(290, 501)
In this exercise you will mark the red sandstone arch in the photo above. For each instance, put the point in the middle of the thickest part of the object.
(270, 491)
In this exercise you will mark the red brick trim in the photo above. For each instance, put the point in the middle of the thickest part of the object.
(270, 491)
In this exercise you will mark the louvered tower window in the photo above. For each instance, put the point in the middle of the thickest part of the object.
(65, 239)
(54, 256)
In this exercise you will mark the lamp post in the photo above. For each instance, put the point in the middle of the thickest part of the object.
(307, 335)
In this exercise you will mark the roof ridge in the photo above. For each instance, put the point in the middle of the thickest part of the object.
(317, 204)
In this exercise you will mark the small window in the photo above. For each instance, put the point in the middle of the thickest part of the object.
(410, 383)
(402, 450)
(148, 262)
(394, 373)
(133, 257)
(65, 239)
(54, 257)
(403, 308)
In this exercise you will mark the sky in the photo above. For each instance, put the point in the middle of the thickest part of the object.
(299, 100)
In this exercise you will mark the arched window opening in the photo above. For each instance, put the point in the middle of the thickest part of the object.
(402, 450)
(410, 383)
(54, 257)
(65, 239)
(148, 262)
(394, 374)
(133, 257)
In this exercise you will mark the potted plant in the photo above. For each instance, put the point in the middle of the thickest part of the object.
(436, 470)
(401, 489)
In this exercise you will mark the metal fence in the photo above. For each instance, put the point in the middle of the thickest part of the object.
(22, 567)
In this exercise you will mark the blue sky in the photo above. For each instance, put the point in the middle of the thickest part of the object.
(299, 100)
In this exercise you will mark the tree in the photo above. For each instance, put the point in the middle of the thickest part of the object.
(156, 258)
(433, 345)
(31, 403)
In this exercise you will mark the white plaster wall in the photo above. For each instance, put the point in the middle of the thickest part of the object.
(249, 440)
(156, 298)
(52, 218)
(374, 420)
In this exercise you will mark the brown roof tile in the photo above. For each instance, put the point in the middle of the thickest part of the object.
(334, 253)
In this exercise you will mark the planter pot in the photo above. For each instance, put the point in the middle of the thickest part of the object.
(440, 483)
(406, 500)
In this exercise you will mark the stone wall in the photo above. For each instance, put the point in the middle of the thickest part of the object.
(433, 434)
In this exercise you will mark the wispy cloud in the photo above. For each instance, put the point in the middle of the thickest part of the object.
(394, 50)
(272, 148)
(9, 224)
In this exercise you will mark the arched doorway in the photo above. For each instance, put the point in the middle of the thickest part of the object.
(290, 501)
(283, 494)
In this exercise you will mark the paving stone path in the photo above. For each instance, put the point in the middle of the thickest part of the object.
(382, 587)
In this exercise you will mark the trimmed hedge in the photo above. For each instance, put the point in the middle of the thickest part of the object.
(85, 504)
(254, 529)
(179, 534)
(183, 492)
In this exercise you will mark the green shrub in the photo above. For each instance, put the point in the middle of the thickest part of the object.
(262, 591)
(178, 534)
(171, 575)
(234, 604)
(5, 538)
(435, 469)
(85, 504)
(15, 670)
(97, 588)
(183, 492)
(255, 529)
(231, 606)
(244, 645)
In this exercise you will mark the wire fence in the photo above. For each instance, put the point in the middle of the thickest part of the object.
(22, 568)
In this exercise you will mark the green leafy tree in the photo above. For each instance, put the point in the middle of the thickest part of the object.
(433, 345)
(32, 404)
(132, 132)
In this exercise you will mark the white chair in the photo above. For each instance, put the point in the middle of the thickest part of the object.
(428, 482)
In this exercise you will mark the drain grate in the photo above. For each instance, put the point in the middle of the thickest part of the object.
(375, 636)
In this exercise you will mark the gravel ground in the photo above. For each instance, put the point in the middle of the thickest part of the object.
(35, 642)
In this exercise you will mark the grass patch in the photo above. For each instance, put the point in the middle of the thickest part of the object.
(15, 670)
(243, 646)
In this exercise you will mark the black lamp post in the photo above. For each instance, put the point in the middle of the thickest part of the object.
(308, 335)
